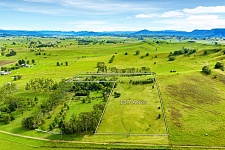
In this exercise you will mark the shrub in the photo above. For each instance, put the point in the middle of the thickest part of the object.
(8, 118)
(219, 65)
(116, 95)
(137, 52)
(112, 58)
(159, 116)
(29, 123)
(206, 70)
(171, 58)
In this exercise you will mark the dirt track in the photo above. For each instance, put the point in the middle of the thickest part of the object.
(5, 62)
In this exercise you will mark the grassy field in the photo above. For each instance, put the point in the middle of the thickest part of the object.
(134, 112)
(193, 101)
(194, 104)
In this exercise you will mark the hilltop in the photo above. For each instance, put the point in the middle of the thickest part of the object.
(195, 33)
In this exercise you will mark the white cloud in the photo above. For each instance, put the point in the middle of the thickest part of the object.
(206, 21)
(105, 6)
(193, 22)
(205, 10)
(49, 11)
(200, 18)
(189, 19)
(141, 16)
(81, 23)
(172, 14)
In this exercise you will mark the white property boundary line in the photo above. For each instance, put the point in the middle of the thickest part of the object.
(163, 111)
(111, 74)
(100, 120)
(130, 134)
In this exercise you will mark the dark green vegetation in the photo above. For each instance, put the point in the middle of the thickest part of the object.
(41, 88)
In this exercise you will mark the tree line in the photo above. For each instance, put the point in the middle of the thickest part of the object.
(41, 84)
(185, 51)
(12, 104)
(148, 81)
(84, 122)
(56, 97)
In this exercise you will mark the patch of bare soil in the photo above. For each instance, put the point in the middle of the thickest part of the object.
(5, 62)
(175, 116)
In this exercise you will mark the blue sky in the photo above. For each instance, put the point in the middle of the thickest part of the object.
(111, 15)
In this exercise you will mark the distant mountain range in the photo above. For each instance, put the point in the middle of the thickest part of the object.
(144, 33)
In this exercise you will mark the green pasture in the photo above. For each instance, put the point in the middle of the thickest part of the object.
(193, 101)
(124, 115)
(194, 107)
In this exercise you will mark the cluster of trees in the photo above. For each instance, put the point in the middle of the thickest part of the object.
(49, 44)
(84, 122)
(84, 41)
(207, 70)
(184, 51)
(11, 53)
(21, 61)
(101, 67)
(57, 97)
(58, 120)
(92, 86)
(12, 104)
(129, 70)
(6, 117)
(41, 84)
(22, 104)
(32, 122)
(39, 44)
(84, 88)
(111, 59)
(2, 51)
(148, 81)
(82, 93)
(7, 90)
(111, 42)
(17, 65)
(60, 64)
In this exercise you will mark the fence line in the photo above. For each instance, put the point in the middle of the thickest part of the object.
(163, 111)
(137, 73)
(129, 134)
(100, 120)
(151, 73)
